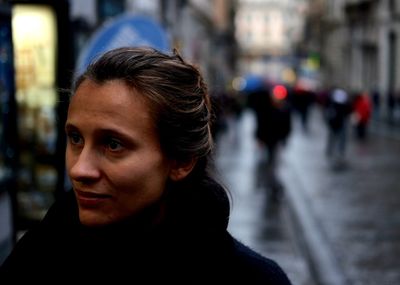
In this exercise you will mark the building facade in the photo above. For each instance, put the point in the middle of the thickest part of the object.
(268, 31)
(358, 43)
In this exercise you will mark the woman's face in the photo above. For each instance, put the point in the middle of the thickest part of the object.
(113, 156)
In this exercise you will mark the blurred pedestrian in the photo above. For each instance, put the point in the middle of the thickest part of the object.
(144, 206)
(273, 117)
(337, 114)
(302, 101)
(362, 109)
(391, 105)
(229, 107)
(376, 102)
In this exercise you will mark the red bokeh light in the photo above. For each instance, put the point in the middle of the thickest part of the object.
(279, 92)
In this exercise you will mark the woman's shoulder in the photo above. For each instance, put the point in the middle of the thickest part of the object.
(256, 267)
(42, 240)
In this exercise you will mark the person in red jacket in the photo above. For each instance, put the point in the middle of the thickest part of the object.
(362, 109)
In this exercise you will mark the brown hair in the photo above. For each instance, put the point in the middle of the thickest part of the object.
(181, 108)
(175, 91)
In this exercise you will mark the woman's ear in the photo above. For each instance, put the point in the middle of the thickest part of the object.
(180, 170)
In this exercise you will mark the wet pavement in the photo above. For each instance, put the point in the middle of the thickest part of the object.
(262, 223)
(355, 204)
(338, 221)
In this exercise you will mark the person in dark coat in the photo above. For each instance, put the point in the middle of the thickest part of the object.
(273, 119)
(144, 207)
(273, 127)
(337, 113)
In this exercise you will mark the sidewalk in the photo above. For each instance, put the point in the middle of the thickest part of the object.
(260, 223)
(380, 126)
(348, 218)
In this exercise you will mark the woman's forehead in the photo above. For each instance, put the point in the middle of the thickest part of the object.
(112, 100)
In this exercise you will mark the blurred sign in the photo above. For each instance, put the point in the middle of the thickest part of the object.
(126, 30)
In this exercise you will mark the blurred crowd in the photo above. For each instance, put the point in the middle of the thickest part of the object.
(277, 106)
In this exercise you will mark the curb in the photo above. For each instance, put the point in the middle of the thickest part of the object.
(322, 261)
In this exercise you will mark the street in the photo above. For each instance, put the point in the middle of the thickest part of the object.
(335, 223)
(258, 221)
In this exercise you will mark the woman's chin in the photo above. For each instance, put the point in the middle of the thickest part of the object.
(90, 219)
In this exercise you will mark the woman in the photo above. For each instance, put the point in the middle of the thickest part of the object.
(144, 206)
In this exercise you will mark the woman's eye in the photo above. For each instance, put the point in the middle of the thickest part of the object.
(114, 144)
(75, 138)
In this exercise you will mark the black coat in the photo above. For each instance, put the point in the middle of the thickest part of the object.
(273, 120)
(190, 246)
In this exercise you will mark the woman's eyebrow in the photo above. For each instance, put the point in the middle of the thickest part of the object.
(69, 127)
(115, 133)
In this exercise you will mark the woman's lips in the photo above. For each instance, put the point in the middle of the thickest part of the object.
(90, 199)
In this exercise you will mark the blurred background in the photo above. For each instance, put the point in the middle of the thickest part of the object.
(307, 117)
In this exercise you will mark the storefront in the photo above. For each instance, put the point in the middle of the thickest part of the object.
(42, 59)
(8, 152)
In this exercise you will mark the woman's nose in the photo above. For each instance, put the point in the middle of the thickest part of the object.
(85, 166)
